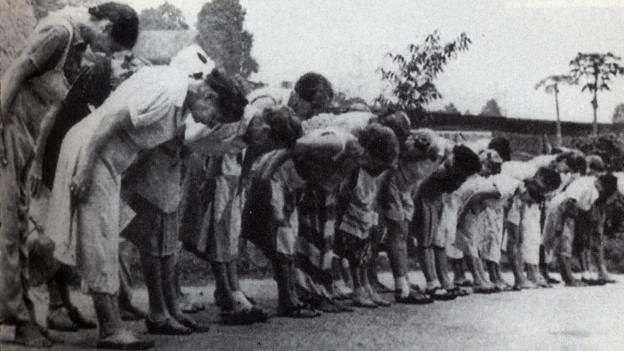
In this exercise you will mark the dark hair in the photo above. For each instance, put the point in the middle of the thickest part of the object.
(568, 158)
(380, 142)
(231, 97)
(125, 22)
(534, 190)
(310, 85)
(466, 160)
(285, 126)
(398, 122)
(609, 184)
(502, 146)
(550, 180)
(580, 164)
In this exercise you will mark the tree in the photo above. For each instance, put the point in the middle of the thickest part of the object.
(596, 71)
(221, 35)
(618, 114)
(411, 77)
(450, 108)
(491, 108)
(43, 7)
(551, 86)
(165, 17)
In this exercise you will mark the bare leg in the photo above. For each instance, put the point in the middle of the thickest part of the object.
(441, 265)
(459, 274)
(223, 290)
(112, 333)
(171, 296)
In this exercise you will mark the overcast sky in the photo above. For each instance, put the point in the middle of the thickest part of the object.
(516, 43)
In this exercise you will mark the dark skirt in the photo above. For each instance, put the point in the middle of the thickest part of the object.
(152, 231)
(259, 227)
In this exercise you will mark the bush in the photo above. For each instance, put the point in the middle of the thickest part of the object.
(607, 146)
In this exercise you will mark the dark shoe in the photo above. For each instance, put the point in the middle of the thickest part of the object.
(485, 290)
(414, 298)
(297, 312)
(607, 280)
(59, 319)
(575, 284)
(259, 315)
(381, 288)
(80, 321)
(593, 282)
(441, 294)
(464, 283)
(191, 324)
(552, 280)
(236, 317)
(166, 327)
(131, 313)
(458, 292)
(363, 301)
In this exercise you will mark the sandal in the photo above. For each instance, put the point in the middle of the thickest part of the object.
(485, 290)
(593, 282)
(80, 321)
(117, 342)
(168, 326)
(413, 298)
(58, 319)
(298, 312)
(236, 317)
(464, 283)
(458, 292)
(441, 294)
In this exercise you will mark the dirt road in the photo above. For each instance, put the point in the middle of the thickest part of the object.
(546, 319)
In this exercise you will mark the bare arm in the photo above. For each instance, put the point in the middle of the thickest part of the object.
(478, 198)
(15, 75)
(108, 125)
(44, 132)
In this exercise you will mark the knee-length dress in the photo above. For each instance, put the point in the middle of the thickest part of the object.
(87, 233)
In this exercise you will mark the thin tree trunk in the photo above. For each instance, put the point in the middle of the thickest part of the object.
(595, 101)
(595, 106)
(559, 134)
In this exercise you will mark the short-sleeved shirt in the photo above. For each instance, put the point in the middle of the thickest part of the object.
(519, 170)
(154, 112)
(47, 45)
(353, 122)
(583, 191)
(543, 160)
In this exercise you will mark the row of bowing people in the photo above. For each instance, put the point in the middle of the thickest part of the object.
(162, 155)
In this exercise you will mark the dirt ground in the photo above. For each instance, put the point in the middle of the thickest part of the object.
(547, 319)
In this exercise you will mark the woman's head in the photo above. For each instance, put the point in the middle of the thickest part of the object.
(123, 65)
(116, 27)
(421, 145)
(543, 182)
(216, 98)
(490, 162)
(502, 146)
(313, 95)
(381, 148)
(607, 186)
(399, 122)
(274, 128)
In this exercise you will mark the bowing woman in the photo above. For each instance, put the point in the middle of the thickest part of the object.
(86, 212)
(33, 88)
